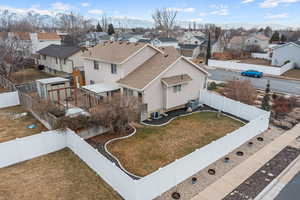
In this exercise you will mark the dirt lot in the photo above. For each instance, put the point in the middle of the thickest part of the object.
(294, 73)
(29, 75)
(155, 147)
(16, 128)
(56, 176)
(256, 61)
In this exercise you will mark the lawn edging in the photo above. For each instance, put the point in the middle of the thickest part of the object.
(114, 157)
(164, 124)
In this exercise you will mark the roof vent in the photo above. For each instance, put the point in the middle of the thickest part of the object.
(162, 48)
(166, 55)
(111, 42)
(121, 42)
(128, 43)
(136, 44)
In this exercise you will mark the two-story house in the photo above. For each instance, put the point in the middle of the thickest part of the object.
(161, 78)
(60, 59)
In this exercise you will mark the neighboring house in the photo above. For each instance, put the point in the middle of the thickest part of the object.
(35, 41)
(42, 40)
(189, 50)
(258, 39)
(161, 78)
(60, 58)
(237, 43)
(286, 52)
(192, 37)
(164, 42)
(218, 46)
(145, 40)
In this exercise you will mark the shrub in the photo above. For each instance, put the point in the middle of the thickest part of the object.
(282, 106)
(212, 86)
(240, 90)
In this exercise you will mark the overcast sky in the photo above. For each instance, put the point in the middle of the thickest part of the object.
(212, 11)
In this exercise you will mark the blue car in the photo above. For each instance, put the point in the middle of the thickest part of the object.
(252, 73)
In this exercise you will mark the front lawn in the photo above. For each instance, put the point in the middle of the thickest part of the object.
(56, 176)
(154, 147)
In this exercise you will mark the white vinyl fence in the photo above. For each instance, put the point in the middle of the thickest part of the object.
(8, 99)
(261, 56)
(243, 66)
(26, 148)
(163, 179)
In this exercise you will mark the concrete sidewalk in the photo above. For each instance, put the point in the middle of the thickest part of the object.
(231, 180)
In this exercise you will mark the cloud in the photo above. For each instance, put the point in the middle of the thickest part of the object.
(275, 3)
(247, 1)
(196, 20)
(277, 16)
(61, 6)
(202, 14)
(85, 4)
(187, 10)
(219, 9)
(95, 12)
(33, 8)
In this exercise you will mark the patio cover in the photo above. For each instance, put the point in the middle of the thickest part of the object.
(101, 87)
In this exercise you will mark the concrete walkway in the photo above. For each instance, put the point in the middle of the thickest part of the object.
(226, 184)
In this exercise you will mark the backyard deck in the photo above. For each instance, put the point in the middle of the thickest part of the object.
(13, 127)
(154, 147)
(60, 175)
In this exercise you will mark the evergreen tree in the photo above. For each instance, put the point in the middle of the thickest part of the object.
(208, 50)
(265, 105)
(275, 37)
(99, 28)
(283, 38)
(111, 29)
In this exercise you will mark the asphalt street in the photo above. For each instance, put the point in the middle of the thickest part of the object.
(277, 85)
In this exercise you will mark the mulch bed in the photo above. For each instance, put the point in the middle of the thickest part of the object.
(264, 176)
(179, 112)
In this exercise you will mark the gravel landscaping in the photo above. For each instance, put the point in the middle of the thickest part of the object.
(188, 190)
(250, 188)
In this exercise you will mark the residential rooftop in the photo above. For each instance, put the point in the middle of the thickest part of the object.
(59, 51)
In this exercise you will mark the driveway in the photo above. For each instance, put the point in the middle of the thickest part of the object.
(277, 85)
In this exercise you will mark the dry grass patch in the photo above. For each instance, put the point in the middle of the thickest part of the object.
(58, 176)
(293, 73)
(256, 61)
(155, 147)
(29, 75)
(12, 128)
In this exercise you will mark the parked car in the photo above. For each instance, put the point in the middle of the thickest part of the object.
(252, 73)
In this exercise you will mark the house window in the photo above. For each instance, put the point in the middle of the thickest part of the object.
(44, 57)
(176, 88)
(96, 65)
(113, 68)
(128, 92)
(65, 61)
(92, 82)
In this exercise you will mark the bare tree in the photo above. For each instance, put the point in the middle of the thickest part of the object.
(13, 54)
(165, 19)
(104, 23)
(7, 19)
(117, 112)
(76, 25)
(241, 91)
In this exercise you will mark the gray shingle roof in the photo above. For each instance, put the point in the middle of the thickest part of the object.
(167, 39)
(59, 51)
